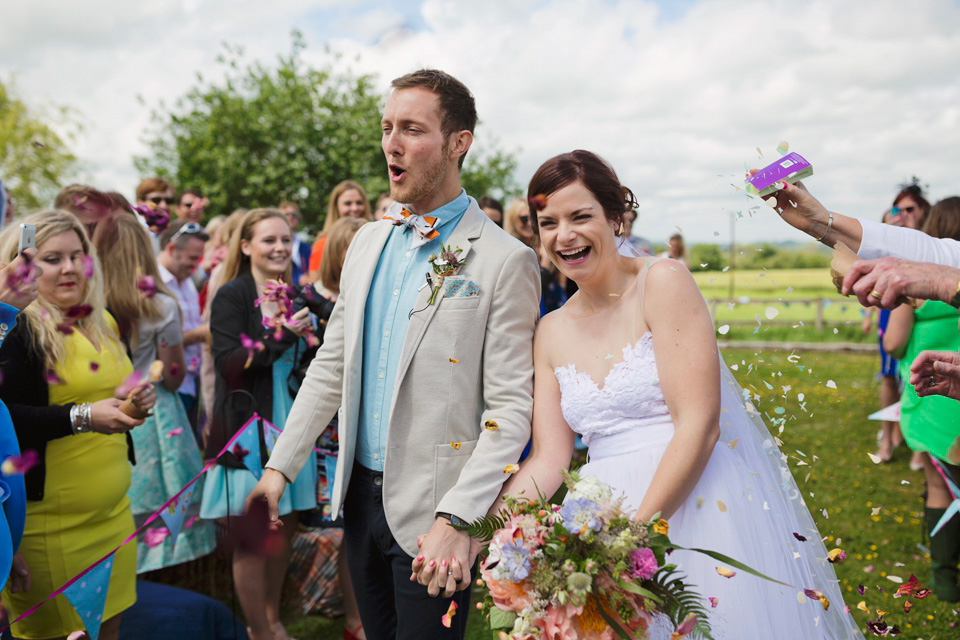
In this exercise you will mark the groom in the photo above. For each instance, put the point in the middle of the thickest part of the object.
(435, 398)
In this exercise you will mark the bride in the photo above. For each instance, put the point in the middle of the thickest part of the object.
(631, 364)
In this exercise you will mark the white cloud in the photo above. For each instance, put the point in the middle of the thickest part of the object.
(866, 90)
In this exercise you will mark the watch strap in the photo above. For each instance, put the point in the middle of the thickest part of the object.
(454, 520)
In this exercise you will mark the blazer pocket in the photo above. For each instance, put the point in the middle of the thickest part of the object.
(450, 460)
(459, 303)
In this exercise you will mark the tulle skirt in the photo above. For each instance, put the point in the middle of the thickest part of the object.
(735, 511)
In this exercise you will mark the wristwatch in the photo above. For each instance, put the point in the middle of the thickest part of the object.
(454, 520)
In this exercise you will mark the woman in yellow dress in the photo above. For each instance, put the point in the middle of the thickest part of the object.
(63, 365)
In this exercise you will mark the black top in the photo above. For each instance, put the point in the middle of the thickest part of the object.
(26, 393)
(241, 391)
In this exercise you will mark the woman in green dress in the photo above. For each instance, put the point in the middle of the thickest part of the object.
(932, 424)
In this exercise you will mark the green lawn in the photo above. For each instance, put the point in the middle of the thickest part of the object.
(781, 305)
(872, 511)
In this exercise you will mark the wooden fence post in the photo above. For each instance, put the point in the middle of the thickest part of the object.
(819, 314)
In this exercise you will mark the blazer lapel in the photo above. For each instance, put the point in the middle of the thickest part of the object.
(468, 229)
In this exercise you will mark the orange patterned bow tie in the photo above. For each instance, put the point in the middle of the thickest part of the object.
(422, 225)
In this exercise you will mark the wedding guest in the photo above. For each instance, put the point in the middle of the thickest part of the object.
(259, 252)
(301, 246)
(642, 245)
(14, 298)
(63, 364)
(890, 437)
(183, 244)
(383, 203)
(516, 222)
(931, 424)
(677, 250)
(88, 204)
(190, 205)
(347, 200)
(936, 373)
(493, 208)
(155, 191)
(910, 207)
(328, 286)
(148, 316)
(221, 240)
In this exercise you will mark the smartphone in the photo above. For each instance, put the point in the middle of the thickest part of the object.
(28, 237)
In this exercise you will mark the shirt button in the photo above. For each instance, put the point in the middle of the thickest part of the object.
(396, 292)
(380, 375)
(376, 456)
(378, 480)
(386, 334)
(376, 416)
(408, 254)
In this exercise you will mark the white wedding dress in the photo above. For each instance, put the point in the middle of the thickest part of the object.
(746, 504)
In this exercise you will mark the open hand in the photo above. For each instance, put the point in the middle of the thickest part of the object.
(18, 284)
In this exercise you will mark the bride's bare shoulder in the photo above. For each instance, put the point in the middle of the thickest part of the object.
(550, 329)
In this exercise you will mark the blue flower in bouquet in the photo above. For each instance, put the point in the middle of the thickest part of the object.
(581, 515)
(514, 561)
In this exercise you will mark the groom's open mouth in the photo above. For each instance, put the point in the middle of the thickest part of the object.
(573, 256)
(396, 172)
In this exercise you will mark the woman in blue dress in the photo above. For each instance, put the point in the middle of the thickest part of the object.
(259, 376)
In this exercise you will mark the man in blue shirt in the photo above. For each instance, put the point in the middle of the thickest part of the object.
(432, 375)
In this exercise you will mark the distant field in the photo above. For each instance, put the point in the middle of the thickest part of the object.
(781, 304)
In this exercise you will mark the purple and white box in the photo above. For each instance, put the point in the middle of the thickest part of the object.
(790, 168)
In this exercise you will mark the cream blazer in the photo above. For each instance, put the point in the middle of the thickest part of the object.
(463, 396)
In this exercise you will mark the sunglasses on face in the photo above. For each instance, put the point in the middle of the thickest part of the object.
(189, 229)
(524, 219)
(159, 199)
(897, 211)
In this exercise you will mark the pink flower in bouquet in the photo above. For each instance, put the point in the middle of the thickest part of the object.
(559, 623)
(643, 563)
(509, 596)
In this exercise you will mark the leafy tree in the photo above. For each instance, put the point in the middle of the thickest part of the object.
(34, 159)
(708, 255)
(264, 134)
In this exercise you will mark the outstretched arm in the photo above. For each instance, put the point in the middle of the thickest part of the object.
(689, 371)
(553, 439)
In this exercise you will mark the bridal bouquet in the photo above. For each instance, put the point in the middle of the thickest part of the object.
(581, 570)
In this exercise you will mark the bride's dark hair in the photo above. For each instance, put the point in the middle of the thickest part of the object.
(594, 172)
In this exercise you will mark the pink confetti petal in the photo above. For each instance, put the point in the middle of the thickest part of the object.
(175, 432)
(147, 286)
(154, 537)
(20, 464)
(87, 266)
(94, 366)
(52, 377)
(129, 383)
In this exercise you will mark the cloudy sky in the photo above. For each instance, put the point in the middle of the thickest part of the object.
(677, 94)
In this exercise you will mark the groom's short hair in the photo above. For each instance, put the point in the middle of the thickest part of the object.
(458, 110)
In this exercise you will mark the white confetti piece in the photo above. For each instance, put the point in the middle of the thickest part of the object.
(896, 579)
(771, 313)
(875, 459)
(831, 384)
(723, 329)
(783, 147)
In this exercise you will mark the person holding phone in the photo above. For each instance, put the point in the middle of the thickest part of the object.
(63, 367)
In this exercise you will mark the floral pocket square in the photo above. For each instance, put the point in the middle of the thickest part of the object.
(460, 287)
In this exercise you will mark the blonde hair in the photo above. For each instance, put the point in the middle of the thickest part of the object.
(515, 209)
(236, 262)
(126, 250)
(43, 315)
(333, 213)
(338, 239)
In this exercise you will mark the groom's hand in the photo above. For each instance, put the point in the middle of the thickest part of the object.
(445, 560)
(269, 489)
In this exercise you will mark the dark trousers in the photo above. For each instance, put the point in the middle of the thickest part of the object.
(391, 606)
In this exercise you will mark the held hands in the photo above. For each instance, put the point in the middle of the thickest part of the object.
(446, 556)
(884, 282)
(936, 373)
(269, 489)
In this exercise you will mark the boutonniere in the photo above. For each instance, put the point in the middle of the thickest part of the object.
(444, 263)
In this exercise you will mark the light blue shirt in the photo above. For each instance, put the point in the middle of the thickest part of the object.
(399, 276)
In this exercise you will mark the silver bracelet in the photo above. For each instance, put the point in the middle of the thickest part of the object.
(81, 417)
(829, 226)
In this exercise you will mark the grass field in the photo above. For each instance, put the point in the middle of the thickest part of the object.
(874, 512)
(788, 312)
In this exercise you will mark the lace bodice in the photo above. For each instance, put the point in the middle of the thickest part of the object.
(630, 396)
